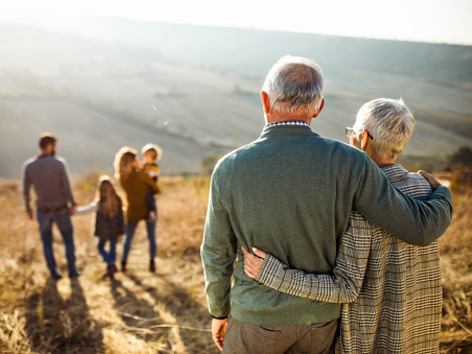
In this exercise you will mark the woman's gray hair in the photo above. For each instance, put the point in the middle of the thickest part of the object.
(294, 83)
(389, 122)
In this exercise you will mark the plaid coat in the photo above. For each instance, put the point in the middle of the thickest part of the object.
(391, 290)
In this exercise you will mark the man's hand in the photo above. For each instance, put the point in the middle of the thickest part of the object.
(253, 262)
(30, 214)
(218, 331)
(71, 209)
(431, 180)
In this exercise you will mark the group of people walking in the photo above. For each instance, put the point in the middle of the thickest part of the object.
(55, 203)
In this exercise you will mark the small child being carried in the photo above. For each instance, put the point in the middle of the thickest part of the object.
(151, 154)
(109, 221)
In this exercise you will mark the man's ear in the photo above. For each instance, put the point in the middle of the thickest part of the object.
(321, 108)
(365, 139)
(265, 102)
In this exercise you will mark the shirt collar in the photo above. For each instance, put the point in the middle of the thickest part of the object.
(288, 122)
(394, 171)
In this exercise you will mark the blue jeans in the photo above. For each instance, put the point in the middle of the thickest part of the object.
(110, 256)
(64, 224)
(151, 233)
(150, 201)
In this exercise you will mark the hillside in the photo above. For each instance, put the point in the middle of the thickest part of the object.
(100, 83)
(165, 312)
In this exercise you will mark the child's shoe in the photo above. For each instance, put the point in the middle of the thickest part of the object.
(113, 268)
(108, 272)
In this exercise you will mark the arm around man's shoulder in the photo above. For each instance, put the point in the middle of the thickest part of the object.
(413, 221)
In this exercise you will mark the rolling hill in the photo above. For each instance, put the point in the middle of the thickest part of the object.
(101, 83)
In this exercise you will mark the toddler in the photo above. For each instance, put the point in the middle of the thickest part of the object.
(151, 154)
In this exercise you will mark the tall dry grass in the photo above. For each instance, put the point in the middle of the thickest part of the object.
(166, 312)
(456, 263)
(138, 312)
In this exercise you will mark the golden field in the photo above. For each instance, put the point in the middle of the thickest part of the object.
(165, 312)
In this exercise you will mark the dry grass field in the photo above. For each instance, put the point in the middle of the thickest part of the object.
(165, 312)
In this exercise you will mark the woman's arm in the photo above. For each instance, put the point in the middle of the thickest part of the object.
(340, 287)
(149, 181)
(86, 209)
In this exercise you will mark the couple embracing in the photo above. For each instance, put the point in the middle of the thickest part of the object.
(335, 227)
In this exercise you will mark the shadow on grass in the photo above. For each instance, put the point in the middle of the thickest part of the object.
(62, 326)
(137, 314)
(186, 314)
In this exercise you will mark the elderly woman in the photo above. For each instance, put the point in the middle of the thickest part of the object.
(391, 289)
(136, 184)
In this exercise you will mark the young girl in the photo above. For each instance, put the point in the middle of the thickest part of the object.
(109, 221)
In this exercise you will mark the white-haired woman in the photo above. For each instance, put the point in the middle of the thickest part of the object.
(391, 289)
(136, 184)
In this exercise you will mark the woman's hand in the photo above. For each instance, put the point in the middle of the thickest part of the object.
(431, 180)
(253, 262)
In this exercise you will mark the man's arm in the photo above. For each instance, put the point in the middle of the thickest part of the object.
(413, 221)
(342, 286)
(27, 192)
(218, 253)
(65, 182)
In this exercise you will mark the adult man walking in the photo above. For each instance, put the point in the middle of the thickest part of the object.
(291, 192)
(54, 201)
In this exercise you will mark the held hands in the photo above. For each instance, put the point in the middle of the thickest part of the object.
(253, 262)
(71, 209)
(431, 180)
(218, 331)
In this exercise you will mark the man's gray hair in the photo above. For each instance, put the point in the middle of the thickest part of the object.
(294, 83)
(389, 122)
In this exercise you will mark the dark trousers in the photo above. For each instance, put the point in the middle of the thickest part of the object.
(110, 256)
(151, 234)
(64, 224)
(247, 338)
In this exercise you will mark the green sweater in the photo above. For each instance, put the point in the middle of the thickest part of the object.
(290, 193)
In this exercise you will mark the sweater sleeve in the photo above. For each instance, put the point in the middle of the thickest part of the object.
(65, 183)
(148, 181)
(413, 221)
(26, 187)
(86, 209)
(343, 285)
(218, 252)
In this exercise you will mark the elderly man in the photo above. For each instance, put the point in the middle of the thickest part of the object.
(290, 193)
(392, 289)
(54, 201)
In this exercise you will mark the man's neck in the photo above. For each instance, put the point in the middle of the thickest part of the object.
(277, 117)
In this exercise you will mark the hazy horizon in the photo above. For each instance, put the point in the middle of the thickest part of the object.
(419, 21)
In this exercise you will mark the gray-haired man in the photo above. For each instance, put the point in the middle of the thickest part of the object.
(290, 193)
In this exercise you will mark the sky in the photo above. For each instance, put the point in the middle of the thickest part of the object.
(437, 21)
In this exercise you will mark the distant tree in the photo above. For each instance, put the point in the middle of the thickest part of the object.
(462, 157)
(209, 163)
